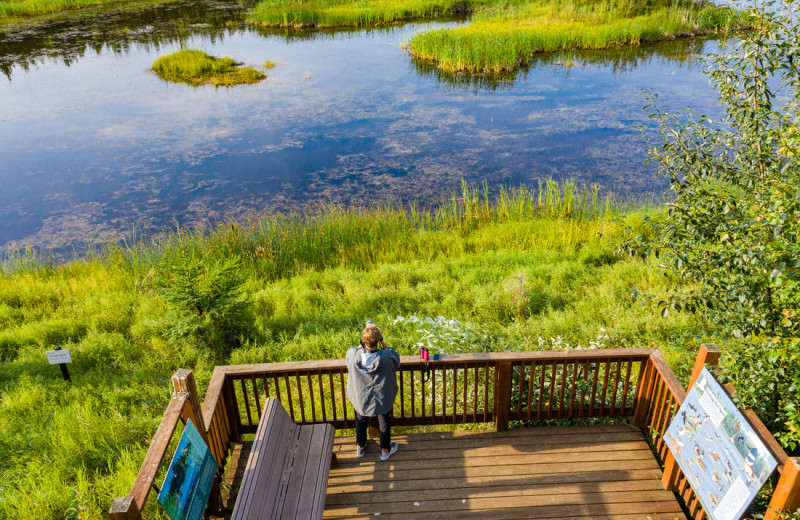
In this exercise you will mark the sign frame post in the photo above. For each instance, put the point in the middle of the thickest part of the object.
(60, 357)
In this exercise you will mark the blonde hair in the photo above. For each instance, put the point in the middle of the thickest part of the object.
(371, 336)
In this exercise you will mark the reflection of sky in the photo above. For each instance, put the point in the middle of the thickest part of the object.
(92, 149)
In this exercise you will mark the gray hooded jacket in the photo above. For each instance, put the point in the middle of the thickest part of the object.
(371, 380)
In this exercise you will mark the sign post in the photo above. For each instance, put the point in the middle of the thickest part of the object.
(61, 358)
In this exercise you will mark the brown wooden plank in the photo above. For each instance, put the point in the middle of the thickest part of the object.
(482, 358)
(344, 486)
(315, 480)
(470, 472)
(158, 448)
(267, 453)
(291, 502)
(509, 490)
(644, 501)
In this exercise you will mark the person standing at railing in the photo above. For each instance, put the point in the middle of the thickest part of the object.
(372, 387)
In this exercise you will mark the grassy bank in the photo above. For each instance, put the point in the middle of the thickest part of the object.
(14, 12)
(198, 68)
(505, 34)
(503, 38)
(529, 269)
(350, 13)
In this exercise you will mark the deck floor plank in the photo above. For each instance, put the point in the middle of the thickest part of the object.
(603, 472)
(599, 472)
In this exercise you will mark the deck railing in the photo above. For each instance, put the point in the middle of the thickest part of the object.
(462, 389)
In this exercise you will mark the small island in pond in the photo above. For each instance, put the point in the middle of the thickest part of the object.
(198, 68)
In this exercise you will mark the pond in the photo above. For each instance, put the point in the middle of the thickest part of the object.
(94, 145)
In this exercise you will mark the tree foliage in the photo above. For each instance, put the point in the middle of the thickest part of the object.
(206, 299)
(731, 223)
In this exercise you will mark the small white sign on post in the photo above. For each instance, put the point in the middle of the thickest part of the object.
(58, 357)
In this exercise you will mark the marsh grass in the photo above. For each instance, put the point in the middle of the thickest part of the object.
(21, 11)
(506, 37)
(534, 268)
(350, 13)
(198, 68)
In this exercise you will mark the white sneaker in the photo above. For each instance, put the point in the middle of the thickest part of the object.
(360, 451)
(392, 450)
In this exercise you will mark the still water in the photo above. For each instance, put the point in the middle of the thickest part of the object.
(93, 144)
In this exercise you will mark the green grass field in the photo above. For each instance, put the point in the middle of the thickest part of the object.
(534, 269)
(198, 68)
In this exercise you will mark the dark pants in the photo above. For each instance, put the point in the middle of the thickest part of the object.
(384, 424)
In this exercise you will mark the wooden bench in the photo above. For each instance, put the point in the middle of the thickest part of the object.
(286, 475)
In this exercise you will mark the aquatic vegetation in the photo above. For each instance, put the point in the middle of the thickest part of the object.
(504, 34)
(503, 38)
(198, 68)
(350, 13)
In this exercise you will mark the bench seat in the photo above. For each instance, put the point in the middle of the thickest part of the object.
(286, 475)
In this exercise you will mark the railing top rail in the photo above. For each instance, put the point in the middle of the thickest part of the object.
(669, 378)
(445, 359)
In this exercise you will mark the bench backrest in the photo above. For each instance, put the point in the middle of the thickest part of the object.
(272, 451)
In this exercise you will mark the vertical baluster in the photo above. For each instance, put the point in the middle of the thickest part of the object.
(455, 393)
(563, 389)
(594, 388)
(552, 391)
(444, 394)
(334, 397)
(322, 400)
(424, 403)
(310, 381)
(626, 386)
(521, 391)
(616, 384)
(289, 396)
(486, 393)
(402, 384)
(542, 370)
(256, 396)
(531, 378)
(266, 387)
(475, 371)
(573, 391)
(277, 381)
(466, 379)
(604, 392)
(413, 395)
(300, 398)
(246, 402)
(585, 378)
(343, 395)
(433, 396)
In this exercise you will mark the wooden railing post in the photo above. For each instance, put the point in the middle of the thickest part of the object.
(787, 493)
(502, 395)
(124, 508)
(708, 353)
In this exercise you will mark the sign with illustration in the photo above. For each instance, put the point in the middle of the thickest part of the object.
(189, 478)
(718, 451)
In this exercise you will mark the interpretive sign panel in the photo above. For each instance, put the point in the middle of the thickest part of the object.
(189, 478)
(719, 452)
(57, 357)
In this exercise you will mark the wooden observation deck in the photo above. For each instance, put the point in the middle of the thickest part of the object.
(606, 465)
